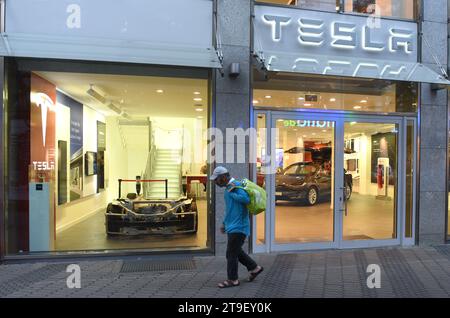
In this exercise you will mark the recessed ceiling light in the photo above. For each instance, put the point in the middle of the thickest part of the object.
(280, 120)
(159, 91)
(197, 99)
(301, 98)
(307, 104)
(199, 109)
(364, 101)
(324, 130)
(332, 100)
(255, 102)
(268, 96)
(196, 93)
(357, 107)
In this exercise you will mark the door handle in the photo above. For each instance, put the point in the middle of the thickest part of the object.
(342, 198)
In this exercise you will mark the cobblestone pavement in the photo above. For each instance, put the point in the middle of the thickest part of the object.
(405, 272)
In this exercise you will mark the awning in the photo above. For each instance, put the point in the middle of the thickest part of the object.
(96, 49)
(141, 31)
(349, 67)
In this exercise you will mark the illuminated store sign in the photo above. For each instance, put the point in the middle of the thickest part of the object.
(341, 35)
(326, 43)
(308, 123)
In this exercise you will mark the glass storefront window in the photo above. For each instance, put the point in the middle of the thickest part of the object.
(323, 5)
(261, 174)
(328, 93)
(410, 171)
(105, 157)
(304, 182)
(402, 9)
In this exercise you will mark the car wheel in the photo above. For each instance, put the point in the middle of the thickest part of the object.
(312, 196)
(348, 192)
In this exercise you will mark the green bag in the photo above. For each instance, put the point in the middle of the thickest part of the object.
(257, 196)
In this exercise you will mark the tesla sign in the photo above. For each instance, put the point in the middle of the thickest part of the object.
(331, 43)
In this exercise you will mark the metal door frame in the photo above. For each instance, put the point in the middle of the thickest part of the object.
(339, 118)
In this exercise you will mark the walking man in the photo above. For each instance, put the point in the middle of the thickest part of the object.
(236, 225)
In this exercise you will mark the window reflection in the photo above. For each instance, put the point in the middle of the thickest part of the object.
(403, 9)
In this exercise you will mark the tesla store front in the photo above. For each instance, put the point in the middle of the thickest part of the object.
(103, 127)
(335, 101)
(107, 110)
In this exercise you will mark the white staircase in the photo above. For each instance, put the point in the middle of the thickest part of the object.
(167, 165)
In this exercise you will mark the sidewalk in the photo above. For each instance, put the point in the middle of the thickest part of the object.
(405, 272)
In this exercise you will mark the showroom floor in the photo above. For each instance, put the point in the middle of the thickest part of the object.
(368, 218)
(90, 235)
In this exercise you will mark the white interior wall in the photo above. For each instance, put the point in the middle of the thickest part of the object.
(116, 161)
(366, 187)
(169, 135)
(74, 212)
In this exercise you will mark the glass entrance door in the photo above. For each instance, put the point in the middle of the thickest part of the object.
(371, 155)
(332, 182)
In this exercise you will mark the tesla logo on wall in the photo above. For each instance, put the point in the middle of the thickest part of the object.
(45, 103)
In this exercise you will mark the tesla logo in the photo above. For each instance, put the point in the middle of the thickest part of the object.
(344, 35)
(45, 103)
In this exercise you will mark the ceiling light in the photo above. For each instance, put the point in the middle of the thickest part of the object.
(200, 117)
(255, 102)
(307, 104)
(196, 93)
(199, 109)
(126, 116)
(364, 101)
(353, 123)
(98, 96)
(115, 108)
(324, 130)
(197, 99)
(159, 91)
(301, 98)
(357, 107)
(332, 100)
(268, 96)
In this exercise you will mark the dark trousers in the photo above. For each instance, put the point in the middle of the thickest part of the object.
(235, 254)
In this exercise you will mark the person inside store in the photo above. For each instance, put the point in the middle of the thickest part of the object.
(204, 170)
(236, 225)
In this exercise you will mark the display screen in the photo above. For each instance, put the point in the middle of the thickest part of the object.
(91, 163)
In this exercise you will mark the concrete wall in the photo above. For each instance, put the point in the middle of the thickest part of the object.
(232, 99)
(433, 130)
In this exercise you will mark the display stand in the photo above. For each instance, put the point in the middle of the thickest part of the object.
(383, 179)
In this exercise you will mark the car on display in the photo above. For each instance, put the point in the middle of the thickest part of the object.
(137, 216)
(308, 182)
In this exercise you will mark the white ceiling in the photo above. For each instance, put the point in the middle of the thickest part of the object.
(339, 101)
(136, 95)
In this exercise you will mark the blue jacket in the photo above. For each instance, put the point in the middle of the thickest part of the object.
(237, 218)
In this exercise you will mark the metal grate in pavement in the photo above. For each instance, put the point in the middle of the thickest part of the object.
(22, 282)
(404, 280)
(157, 265)
(278, 277)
